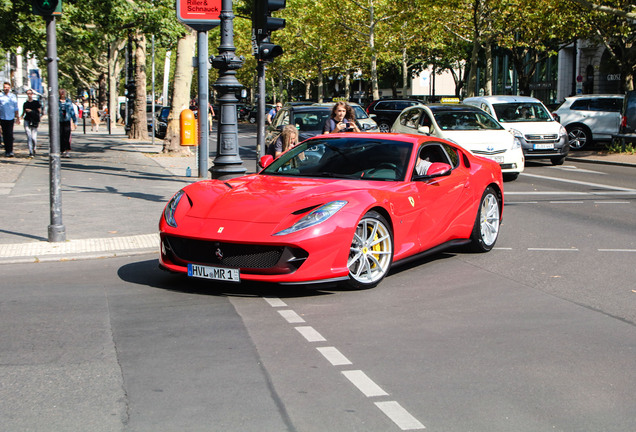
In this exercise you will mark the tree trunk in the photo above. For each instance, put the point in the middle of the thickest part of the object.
(488, 72)
(308, 89)
(471, 85)
(348, 84)
(139, 126)
(405, 73)
(181, 93)
(320, 83)
(115, 65)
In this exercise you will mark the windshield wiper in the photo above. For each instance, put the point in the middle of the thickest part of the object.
(336, 175)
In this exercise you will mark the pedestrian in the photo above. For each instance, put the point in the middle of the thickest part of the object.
(31, 112)
(68, 121)
(94, 118)
(342, 119)
(9, 114)
(210, 116)
(272, 113)
(285, 141)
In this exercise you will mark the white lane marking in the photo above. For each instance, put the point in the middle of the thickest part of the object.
(399, 415)
(612, 202)
(567, 202)
(609, 192)
(617, 250)
(335, 357)
(502, 248)
(577, 169)
(554, 249)
(364, 383)
(521, 202)
(291, 316)
(596, 185)
(275, 302)
(310, 334)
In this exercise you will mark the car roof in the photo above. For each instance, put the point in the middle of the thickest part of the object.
(453, 107)
(591, 96)
(503, 98)
(312, 107)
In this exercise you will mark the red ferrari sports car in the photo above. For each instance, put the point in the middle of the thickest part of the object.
(338, 207)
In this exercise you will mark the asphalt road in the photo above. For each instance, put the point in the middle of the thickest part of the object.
(539, 334)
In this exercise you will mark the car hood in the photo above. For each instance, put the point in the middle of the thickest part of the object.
(481, 140)
(535, 127)
(245, 198)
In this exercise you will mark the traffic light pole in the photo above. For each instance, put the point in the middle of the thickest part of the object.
(227, 163)
(57, 231)
(260, 133)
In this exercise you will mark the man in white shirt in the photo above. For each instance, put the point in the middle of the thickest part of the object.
(8, 115)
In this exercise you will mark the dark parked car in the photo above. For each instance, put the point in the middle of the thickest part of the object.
(309, 119)
(252, 116)
(628, 114)
(385, 111)
(161, 123)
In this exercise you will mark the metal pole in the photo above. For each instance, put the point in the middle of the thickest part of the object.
(153, 90)
(57, 231)
(260, 131)
(227, 163)
(203, 149)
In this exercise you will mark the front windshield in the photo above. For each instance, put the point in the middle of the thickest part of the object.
(465, 120)
(360, 113)
(351, 158)
(522, 112)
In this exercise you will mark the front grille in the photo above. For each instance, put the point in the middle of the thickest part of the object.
(494, 152)
(276, 259)
(542, 139)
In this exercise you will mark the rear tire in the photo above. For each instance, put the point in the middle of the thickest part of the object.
(579, 137)
(486, 228)
(371, 252)
(384, 126)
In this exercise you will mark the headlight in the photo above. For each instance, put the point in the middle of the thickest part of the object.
(562, 132)
(168, 212)
(315, 217)
(518, 138)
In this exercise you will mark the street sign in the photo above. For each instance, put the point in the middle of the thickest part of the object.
(201, 15)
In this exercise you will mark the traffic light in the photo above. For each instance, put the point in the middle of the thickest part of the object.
(46, 7)
(262, 25)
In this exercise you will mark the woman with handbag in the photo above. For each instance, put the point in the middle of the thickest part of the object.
(68, 121)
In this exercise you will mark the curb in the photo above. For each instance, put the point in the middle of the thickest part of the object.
(600, 161)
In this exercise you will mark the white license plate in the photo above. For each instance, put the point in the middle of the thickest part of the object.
(498, 159)
(215, 273)
(543, 146)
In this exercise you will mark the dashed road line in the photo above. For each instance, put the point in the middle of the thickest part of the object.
(392, 409)
(310, 334)
(333, 356)
(617, 250)
(554, 249)
(364, 383)
(399, 415)
(291, 316)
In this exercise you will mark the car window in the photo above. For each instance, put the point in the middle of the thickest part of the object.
(382, 106)
(452, 154)
(521, 112)
(465, 120)
(343, 157)
(410, 118)
(486, 108)
(580, 105)
(311, 120)
(404, 104)
(360, 113)
(606, 104)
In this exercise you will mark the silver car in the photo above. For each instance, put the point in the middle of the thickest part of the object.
(589, 118)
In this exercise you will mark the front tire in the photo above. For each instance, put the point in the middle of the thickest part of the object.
(371, 251)
(384, 126)
(486, 228)
(557, 160)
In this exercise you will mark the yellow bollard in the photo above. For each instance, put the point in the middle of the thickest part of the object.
(188, 128)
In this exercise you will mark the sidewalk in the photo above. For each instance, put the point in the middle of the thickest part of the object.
(113, 193)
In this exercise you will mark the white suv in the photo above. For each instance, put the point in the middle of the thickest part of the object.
(590, 117)
(529, 120)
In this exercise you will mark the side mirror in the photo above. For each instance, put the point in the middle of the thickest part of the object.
(437, 169)
(425, 130)
(372, 116)
(266, 160)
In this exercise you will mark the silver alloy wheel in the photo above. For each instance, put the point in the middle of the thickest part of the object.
(489, 219)
(577, 138)
(371, 251)
(384, 127)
